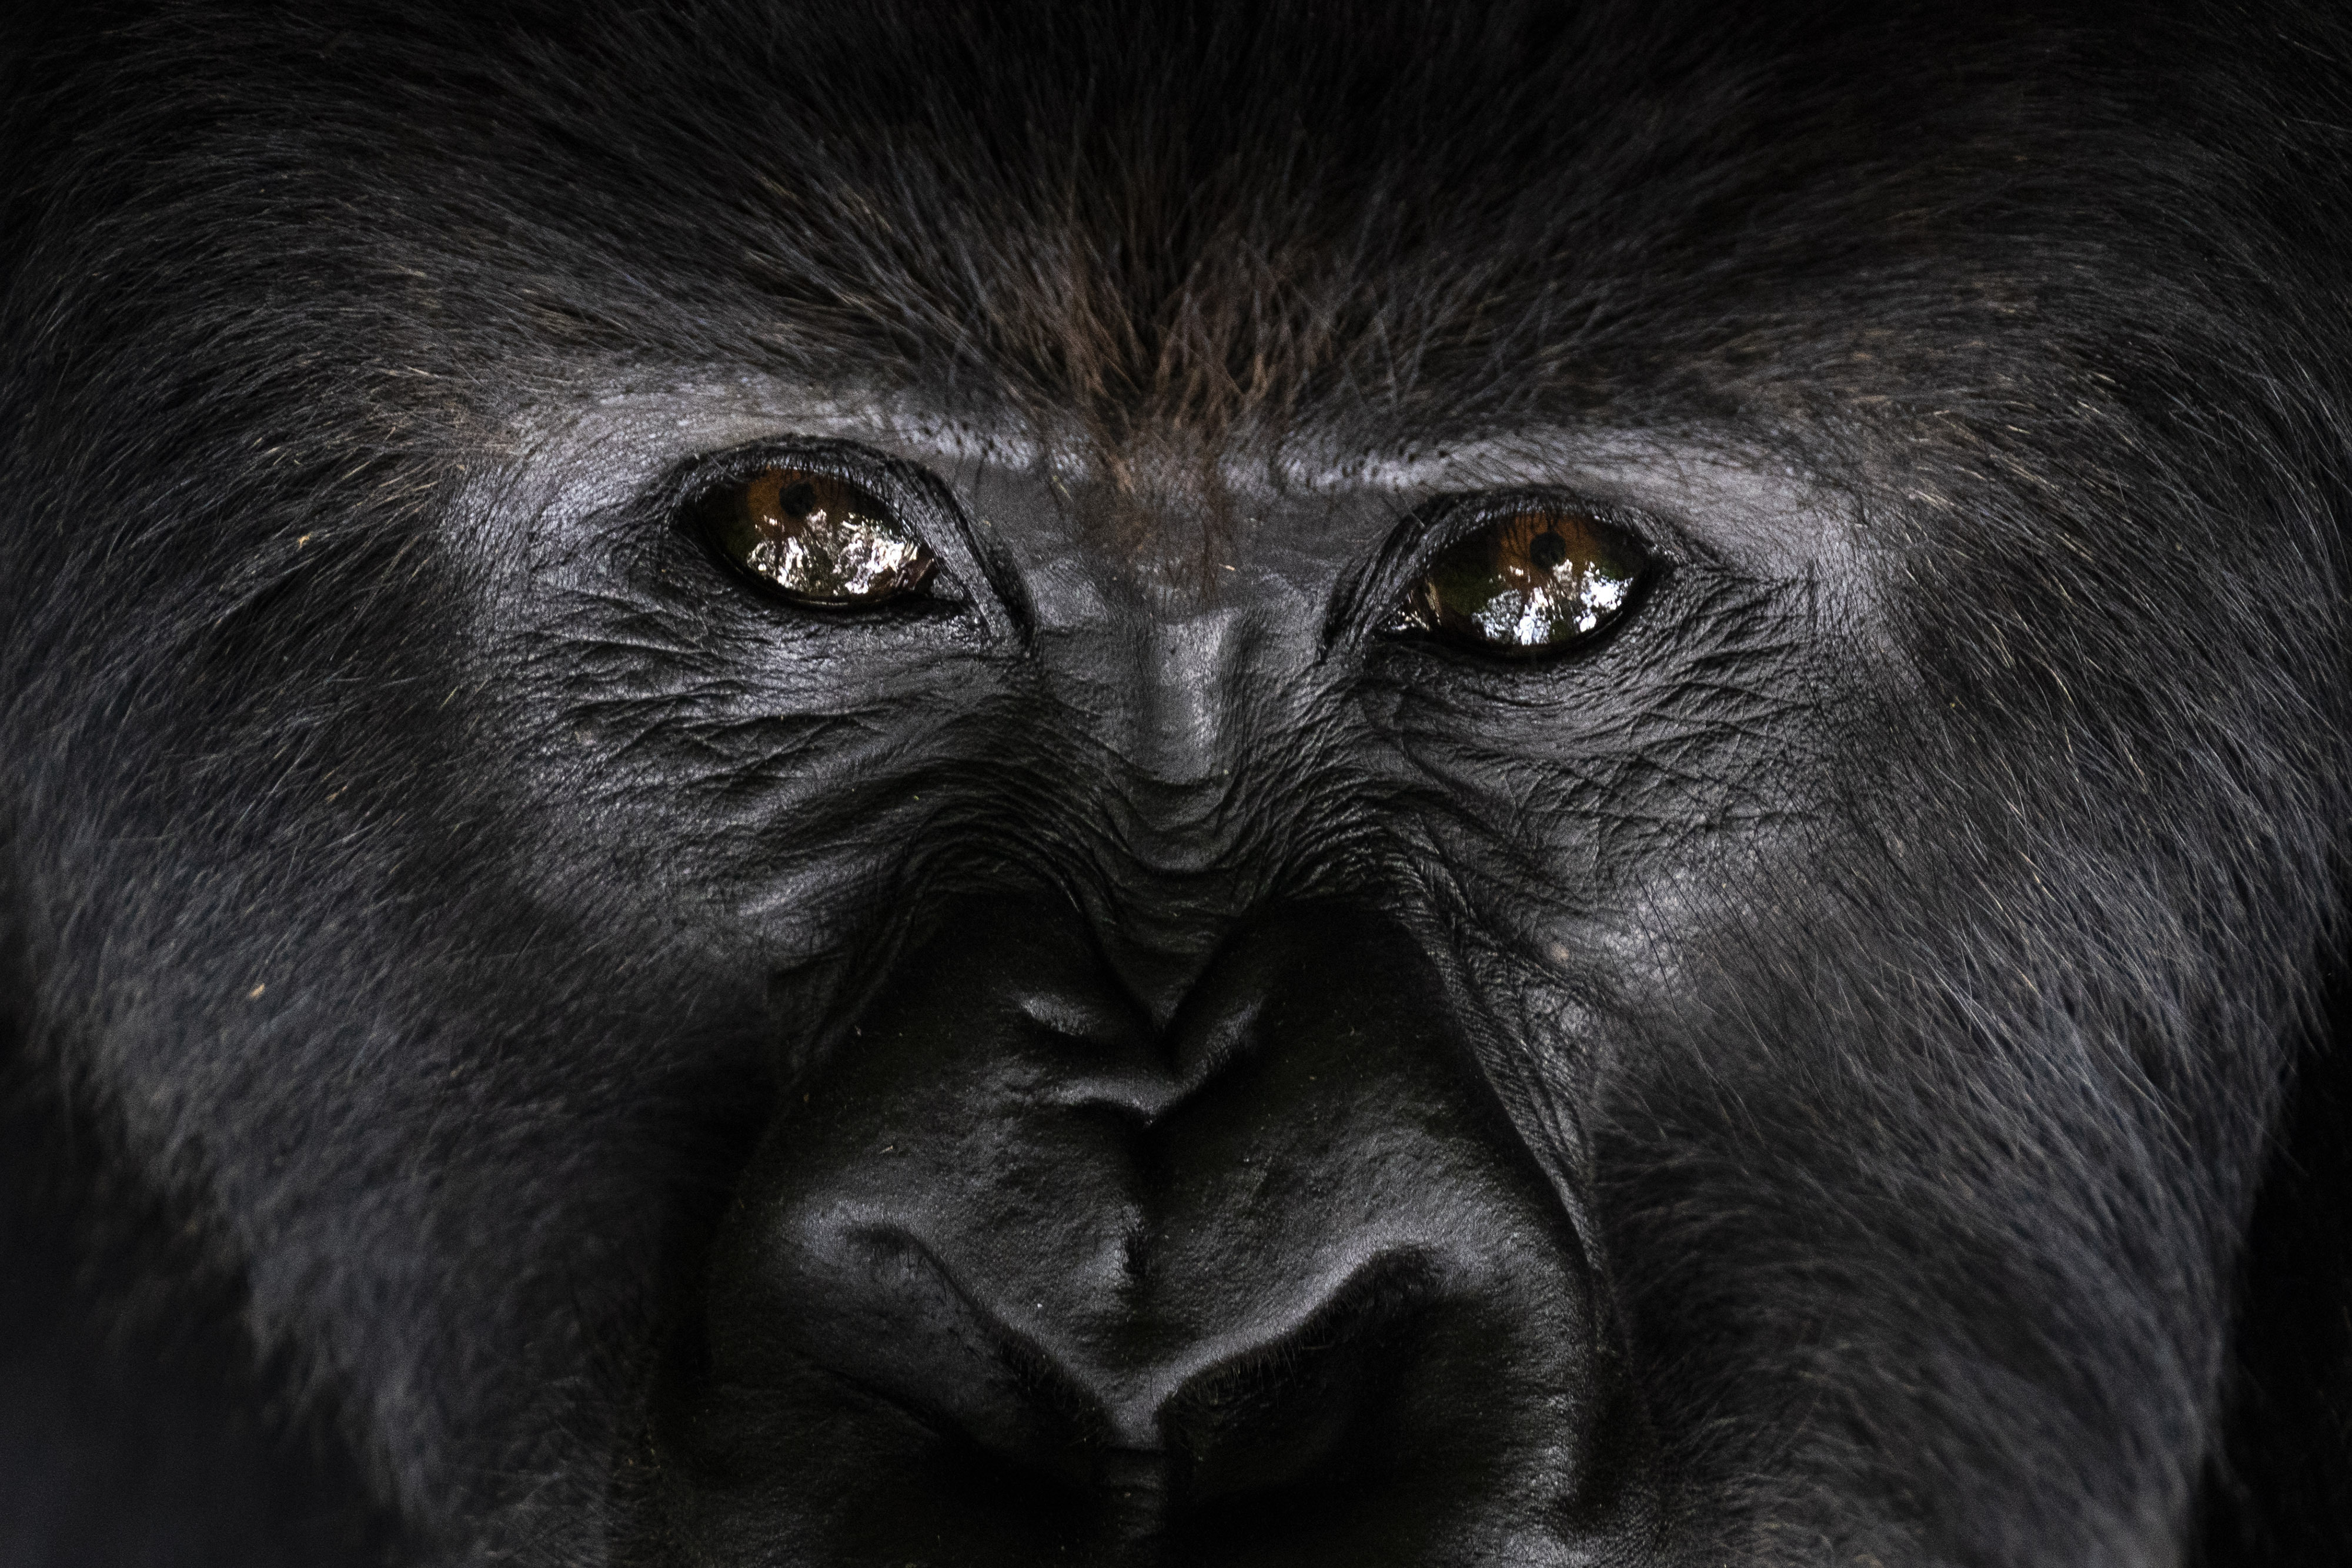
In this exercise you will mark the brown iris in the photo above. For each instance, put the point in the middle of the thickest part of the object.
(1532, 582)
(816, 538)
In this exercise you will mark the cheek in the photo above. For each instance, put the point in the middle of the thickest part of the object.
(1547, 811)
(1602, 824)
(734, 772)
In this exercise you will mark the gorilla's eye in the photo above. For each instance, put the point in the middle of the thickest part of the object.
(1538, 579)
(818, 539)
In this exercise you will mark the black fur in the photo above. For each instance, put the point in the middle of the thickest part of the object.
(1921, 950)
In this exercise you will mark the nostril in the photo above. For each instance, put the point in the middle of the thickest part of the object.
(1101, 1052)
(1091, 1016)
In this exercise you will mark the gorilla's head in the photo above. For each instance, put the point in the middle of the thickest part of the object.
(885, 784)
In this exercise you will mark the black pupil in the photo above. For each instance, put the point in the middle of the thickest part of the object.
(799, 499)
(1548, 551)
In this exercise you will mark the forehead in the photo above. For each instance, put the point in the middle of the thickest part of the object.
(1165, 231)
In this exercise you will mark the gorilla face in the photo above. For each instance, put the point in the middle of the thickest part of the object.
(1179, 1136)
(878, 786)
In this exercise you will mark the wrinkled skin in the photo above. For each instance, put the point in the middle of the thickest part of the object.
(524, 1045)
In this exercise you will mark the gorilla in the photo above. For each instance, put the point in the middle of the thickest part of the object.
(1329, 782)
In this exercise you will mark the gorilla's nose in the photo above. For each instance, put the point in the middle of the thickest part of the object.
(1016, 1272)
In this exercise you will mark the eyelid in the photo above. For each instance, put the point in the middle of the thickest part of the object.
(853, 462)
(1466, 516)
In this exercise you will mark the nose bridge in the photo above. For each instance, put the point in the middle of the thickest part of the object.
(1187, 678)
(1189, 846)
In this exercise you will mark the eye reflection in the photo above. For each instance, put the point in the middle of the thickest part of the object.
(1536, 580)
(818, 539)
